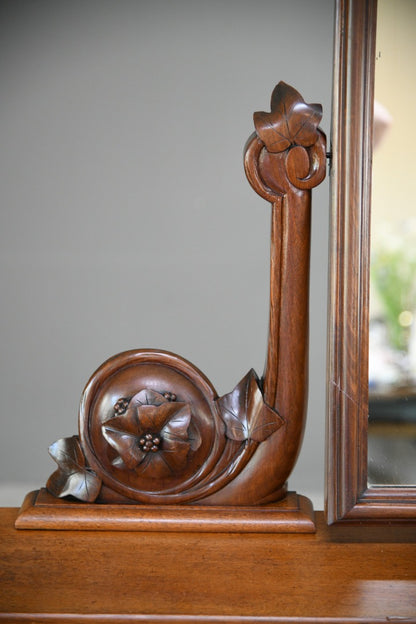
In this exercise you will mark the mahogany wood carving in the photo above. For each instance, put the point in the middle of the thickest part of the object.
(152, 429)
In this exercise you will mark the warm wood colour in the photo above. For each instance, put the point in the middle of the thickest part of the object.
(284, 160)
(340, 574)
(152, 429)
(348, 497)
(42, 510)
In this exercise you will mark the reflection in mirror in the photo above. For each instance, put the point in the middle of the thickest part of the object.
(392, 337)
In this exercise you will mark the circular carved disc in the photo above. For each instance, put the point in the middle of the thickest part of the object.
(149, 426)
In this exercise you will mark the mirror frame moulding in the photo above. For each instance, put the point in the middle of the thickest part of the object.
(348, 496)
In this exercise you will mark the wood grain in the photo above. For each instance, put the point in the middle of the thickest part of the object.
(336, 575)
(41, 510)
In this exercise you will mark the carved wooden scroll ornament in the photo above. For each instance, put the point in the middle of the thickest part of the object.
(152, 429)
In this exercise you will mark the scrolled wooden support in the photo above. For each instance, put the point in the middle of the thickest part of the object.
(152, 429)
(284, 160)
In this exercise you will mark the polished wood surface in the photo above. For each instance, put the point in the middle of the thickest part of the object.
(284, 160)
(41, 510)
(348, 496)
(340, 574)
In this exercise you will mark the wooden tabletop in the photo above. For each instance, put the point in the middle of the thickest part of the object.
(339, 574)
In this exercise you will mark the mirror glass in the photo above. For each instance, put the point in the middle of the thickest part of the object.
(392, 337)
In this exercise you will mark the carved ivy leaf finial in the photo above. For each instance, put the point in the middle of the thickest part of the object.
(290, 122)
(73, 477)
(245, 414)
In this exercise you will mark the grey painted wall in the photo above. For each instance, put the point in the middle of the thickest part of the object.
(126, 219)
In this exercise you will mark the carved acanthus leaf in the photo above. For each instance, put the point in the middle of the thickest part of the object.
(245, 414)
(73, 477)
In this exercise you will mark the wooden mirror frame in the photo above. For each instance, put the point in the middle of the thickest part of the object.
(348, 496)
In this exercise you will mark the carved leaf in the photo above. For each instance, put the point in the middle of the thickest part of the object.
(290, 122)
(177, 425)
(148, 396)
(126, 445)
(245, 414)
(194, 437)
(73, 477)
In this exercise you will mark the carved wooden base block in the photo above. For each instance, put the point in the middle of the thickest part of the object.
(41, 510)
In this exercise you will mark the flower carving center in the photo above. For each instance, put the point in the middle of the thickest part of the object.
(149, 443)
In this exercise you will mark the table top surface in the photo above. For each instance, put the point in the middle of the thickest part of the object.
(337, 574)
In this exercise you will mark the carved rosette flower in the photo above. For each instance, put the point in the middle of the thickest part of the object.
(153, 436)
